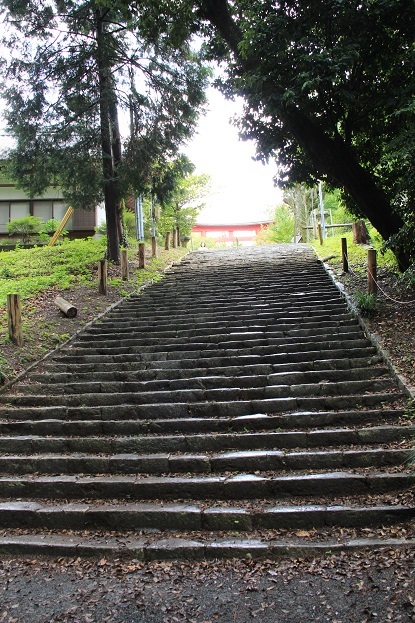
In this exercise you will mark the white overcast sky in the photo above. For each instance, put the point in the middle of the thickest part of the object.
(242, 190)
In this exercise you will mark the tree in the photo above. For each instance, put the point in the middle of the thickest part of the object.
(180, 192)
(322, 82)
(75, 65)
(281, 229)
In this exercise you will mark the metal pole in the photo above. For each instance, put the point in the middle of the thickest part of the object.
(322, 218)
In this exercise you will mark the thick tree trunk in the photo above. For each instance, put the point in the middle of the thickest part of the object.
(117, 156)
(106, 94)
(331, 156)
(360, 233)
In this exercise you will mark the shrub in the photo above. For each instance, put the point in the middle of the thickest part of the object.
(51, 226)
(367, 304)
(26, 227)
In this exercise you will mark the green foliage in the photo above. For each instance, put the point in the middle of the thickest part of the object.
(367, 304)
(26, 227)
(357, 254)
(73, 66)
(50, 227)
(36, 269)
(128, 219)
(282, 228)
(197, 239)
(179, 193)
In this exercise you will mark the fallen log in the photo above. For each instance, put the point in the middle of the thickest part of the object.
(66, 308)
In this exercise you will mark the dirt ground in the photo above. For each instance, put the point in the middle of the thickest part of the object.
(350, 588)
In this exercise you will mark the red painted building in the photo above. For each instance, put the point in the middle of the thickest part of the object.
(242, 233)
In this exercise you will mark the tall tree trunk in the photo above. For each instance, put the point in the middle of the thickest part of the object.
(106, 95)
(330, 155)
(117, 156)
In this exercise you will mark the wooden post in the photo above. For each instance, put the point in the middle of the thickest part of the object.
(345, 261)
(66, 308)
(372, 286)
(167, 244)
(124, 265)
(14, 319)
(175, 239)
(102, 277)
(154, 246)
(320, 233)
(141, 255)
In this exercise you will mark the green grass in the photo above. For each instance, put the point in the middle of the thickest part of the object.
(30, 271)
(357, 254)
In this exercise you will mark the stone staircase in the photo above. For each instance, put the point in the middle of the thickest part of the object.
(235, 408)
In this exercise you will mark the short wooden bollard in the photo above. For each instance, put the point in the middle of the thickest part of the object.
(167, 243)
(320, 233)
(14, 319)
(345, 261)
(154, 246)
(125, 274)
(102, 277)
(66, 308)
(141, 255)
(175, 239)
(372, 286)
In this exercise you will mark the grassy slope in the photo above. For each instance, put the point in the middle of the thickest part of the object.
(68, 270)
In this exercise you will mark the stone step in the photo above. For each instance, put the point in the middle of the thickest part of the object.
(194, 517)
(134, 372)
(280, 320)
(305, 421)
(200, 351)
(207, 338)
(156, 411)
(248, 313)
(240, 486)
(135, 362)
(231, 461)
(103, 330)
(197, 442)
(189, 547)
(206, 382)
(220, 394)
(146, 309)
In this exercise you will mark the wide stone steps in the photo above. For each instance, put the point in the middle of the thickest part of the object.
(207, 338)
(282, 322)
(234, 461)
(209, 381)
(206, 359)
(207, 442)
(238, 395)
(130, 373)
(206, 408)
(108, 332)
(193, 517)
(218, 487)
(304, 421)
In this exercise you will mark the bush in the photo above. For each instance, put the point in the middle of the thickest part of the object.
(51, 226)
(26, 227)
(128, 222)
(367, 304)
